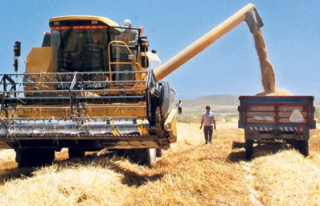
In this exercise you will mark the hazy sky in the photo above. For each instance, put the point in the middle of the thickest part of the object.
(229, 66)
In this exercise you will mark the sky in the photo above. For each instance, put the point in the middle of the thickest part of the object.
(228, 66)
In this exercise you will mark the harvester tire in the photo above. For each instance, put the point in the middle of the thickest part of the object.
(34, 157)
(75, 153)
(143, 156)
(249, 148)
(159, 152)
(152, 156)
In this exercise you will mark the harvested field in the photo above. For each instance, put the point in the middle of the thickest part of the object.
(189, 173)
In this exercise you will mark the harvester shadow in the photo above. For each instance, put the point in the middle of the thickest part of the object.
(258, 151)
(15, 173)
(131, 177)
(113, 161)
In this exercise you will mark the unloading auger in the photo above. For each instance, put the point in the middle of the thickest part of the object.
(248, 14)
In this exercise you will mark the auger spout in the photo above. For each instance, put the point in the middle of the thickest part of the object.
(248, 14)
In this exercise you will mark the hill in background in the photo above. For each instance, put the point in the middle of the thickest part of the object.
(222, 103)
(226, 104)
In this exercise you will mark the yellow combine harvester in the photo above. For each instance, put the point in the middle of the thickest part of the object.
(87, 88)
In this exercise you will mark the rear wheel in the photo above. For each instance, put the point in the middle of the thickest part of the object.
(32, 157)
(152, 156)
(143, 156)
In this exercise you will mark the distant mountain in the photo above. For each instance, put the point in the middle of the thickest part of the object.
(221, 103)
(221, 99)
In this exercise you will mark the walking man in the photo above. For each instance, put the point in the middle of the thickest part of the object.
(179, 105)
(209, 123)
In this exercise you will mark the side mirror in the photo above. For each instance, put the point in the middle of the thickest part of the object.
(17, 49)
(17, 53)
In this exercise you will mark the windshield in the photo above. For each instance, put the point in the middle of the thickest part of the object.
(95, 49)
(80, 49)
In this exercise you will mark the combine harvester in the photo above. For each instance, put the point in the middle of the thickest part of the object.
(85, 95)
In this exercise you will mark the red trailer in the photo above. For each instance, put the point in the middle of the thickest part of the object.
(284, 119)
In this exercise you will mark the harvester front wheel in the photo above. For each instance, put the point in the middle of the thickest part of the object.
(33, 157)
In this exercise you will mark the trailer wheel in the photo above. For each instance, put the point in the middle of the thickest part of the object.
(303, 147)
(76, 153)
(249, 148)
(34, 157)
